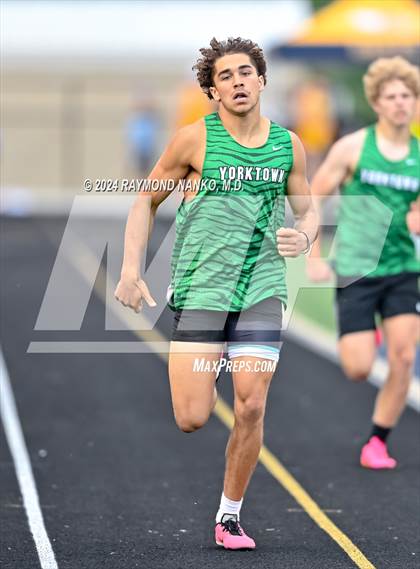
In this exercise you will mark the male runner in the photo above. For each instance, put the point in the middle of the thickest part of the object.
(376, 265)
(228, 267)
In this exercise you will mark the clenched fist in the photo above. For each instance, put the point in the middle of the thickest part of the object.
(290, 242)
(130, 292)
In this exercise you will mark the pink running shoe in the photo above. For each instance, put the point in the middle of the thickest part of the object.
(375, 455)
(229, 533)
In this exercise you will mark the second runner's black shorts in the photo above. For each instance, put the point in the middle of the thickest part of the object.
(358, 302)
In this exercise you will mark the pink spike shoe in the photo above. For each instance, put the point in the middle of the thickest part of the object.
(375, 455)
(229, 533)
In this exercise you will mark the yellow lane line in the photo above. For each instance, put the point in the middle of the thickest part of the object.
(279, 472)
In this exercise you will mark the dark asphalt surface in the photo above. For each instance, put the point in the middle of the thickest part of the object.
(121, 487)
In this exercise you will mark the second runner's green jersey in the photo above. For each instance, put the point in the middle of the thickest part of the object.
(225, 253)
(372, 235)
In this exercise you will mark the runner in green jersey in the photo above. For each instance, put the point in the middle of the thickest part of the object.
(377, 169)
(228, 269)
(223, 255)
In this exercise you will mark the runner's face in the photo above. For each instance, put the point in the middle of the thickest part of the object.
(396, 103)
(237, 85)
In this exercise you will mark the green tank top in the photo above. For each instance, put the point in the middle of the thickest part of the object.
(225, 252)
(373, 240)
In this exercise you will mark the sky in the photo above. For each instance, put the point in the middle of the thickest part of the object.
(118, 28)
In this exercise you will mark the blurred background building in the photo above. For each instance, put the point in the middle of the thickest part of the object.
(78, 79)
(95, 89)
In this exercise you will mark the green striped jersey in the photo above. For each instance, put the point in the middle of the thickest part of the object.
(225, 253)
(372, 234)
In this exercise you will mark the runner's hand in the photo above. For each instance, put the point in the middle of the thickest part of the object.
(131, 292)
(318, 270)
(290, 242)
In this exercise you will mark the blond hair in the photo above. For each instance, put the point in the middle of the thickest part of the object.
(387, 69)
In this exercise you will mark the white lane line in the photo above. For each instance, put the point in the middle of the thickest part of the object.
(315, 338)
(16, 442)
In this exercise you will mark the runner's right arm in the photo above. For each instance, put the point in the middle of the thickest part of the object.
(174, 164)
(413, 217)
(330, 175)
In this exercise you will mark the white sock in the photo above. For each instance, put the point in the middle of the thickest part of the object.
(228, 506)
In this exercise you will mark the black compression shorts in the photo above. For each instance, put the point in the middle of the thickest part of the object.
(259, 324)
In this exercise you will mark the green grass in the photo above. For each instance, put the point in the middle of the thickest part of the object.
(318, 306)
(312, 300)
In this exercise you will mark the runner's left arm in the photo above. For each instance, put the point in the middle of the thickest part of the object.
(293, 242)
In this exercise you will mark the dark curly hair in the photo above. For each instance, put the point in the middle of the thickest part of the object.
(205, 65)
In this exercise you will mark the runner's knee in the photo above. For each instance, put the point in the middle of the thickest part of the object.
(249, 410)
(356, 362)
(189, 422)
(401, 357)
(356, 371)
